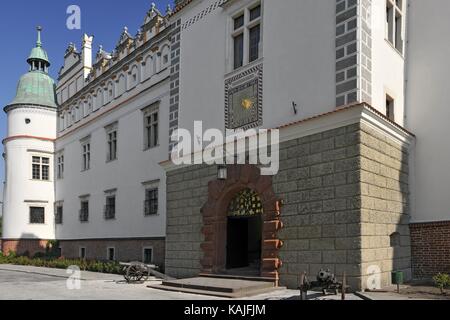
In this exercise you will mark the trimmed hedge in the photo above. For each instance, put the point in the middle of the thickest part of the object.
(61, 263)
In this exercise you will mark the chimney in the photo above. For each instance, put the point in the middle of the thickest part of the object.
(86, 52)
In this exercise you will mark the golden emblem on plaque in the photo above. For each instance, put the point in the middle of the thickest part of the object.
(247, 103)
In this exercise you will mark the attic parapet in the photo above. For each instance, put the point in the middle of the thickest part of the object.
(81, 69)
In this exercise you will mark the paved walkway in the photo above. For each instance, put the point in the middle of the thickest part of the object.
(33, 283)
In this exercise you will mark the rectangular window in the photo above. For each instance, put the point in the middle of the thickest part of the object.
(247, 36)
(41, 168)
(60, 166)
(394, 23)
(147, 256)
(110, 207)
(59, 214)
(86, 159)
(398, 32)
(254, 43)
(84, 211)
(390, 108)
(239, 51)
(83, 253)
(37, 215)
(111, 254)
(255, 13)
(151, 122)
(239, 22)
(112, 143)
(151, 202)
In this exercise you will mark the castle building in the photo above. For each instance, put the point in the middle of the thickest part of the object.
(355, 88)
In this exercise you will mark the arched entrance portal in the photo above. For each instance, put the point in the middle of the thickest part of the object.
(224, 224)
(244, 233)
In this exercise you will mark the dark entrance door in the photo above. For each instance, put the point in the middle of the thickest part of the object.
(244, 232)
(237, 243)
(244, 236)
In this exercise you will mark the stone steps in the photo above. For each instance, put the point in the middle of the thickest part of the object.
(218, 286)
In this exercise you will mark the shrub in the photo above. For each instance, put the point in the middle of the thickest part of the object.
(442, 281)
(61, 263)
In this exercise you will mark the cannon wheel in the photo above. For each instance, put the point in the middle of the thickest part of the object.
(136, 273)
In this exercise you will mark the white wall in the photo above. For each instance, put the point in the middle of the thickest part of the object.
(428, 111)
(388, 65)
(298, 54)
(21, 192)
(42, 122)
(133, 167)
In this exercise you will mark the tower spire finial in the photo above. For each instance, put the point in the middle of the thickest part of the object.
(38, 42)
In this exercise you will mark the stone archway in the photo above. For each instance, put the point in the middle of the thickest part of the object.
(215, 214)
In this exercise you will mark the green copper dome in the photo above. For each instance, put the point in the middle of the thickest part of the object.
(38, 54)
(36, 87)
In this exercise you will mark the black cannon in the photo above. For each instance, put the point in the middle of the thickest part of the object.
(326, 282)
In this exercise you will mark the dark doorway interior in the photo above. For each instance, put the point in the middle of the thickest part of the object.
(244, 236)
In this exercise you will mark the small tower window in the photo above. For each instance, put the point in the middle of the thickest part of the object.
(390, 108)
(27, 121)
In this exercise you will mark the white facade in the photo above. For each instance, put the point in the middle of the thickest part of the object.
(117, 92)
(22, 191)
(182, 66)
(428, 113)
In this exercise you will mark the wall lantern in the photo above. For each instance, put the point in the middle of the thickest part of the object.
(222, 172)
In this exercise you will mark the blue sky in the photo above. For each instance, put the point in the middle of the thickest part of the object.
(104, 19)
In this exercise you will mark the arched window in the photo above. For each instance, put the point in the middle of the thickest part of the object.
(81, 111)
(121, 85)
(165, 57)
(149, 67)
(98, 100)
(245, 203)
(133, 78)
(109, 93)
(89, 106)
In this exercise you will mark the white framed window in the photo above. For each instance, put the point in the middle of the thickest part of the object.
(60, 165)
(85, 154)
(111, 141)
(84, 209)
(151, 126)
(111, 254)
(395, 23)
(147, 255)
(246, 35)
(40, 168)
(110, 204)
(151, 201)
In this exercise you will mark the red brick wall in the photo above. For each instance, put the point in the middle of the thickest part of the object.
(126, 249)
(24, 245)
(430, 243)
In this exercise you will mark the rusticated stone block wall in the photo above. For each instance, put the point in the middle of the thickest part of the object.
(345, 195)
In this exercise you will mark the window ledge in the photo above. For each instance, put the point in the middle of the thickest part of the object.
(391, 45)
(151, 148)
(244, 67)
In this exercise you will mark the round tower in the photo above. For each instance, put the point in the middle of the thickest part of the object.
(28, 209)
